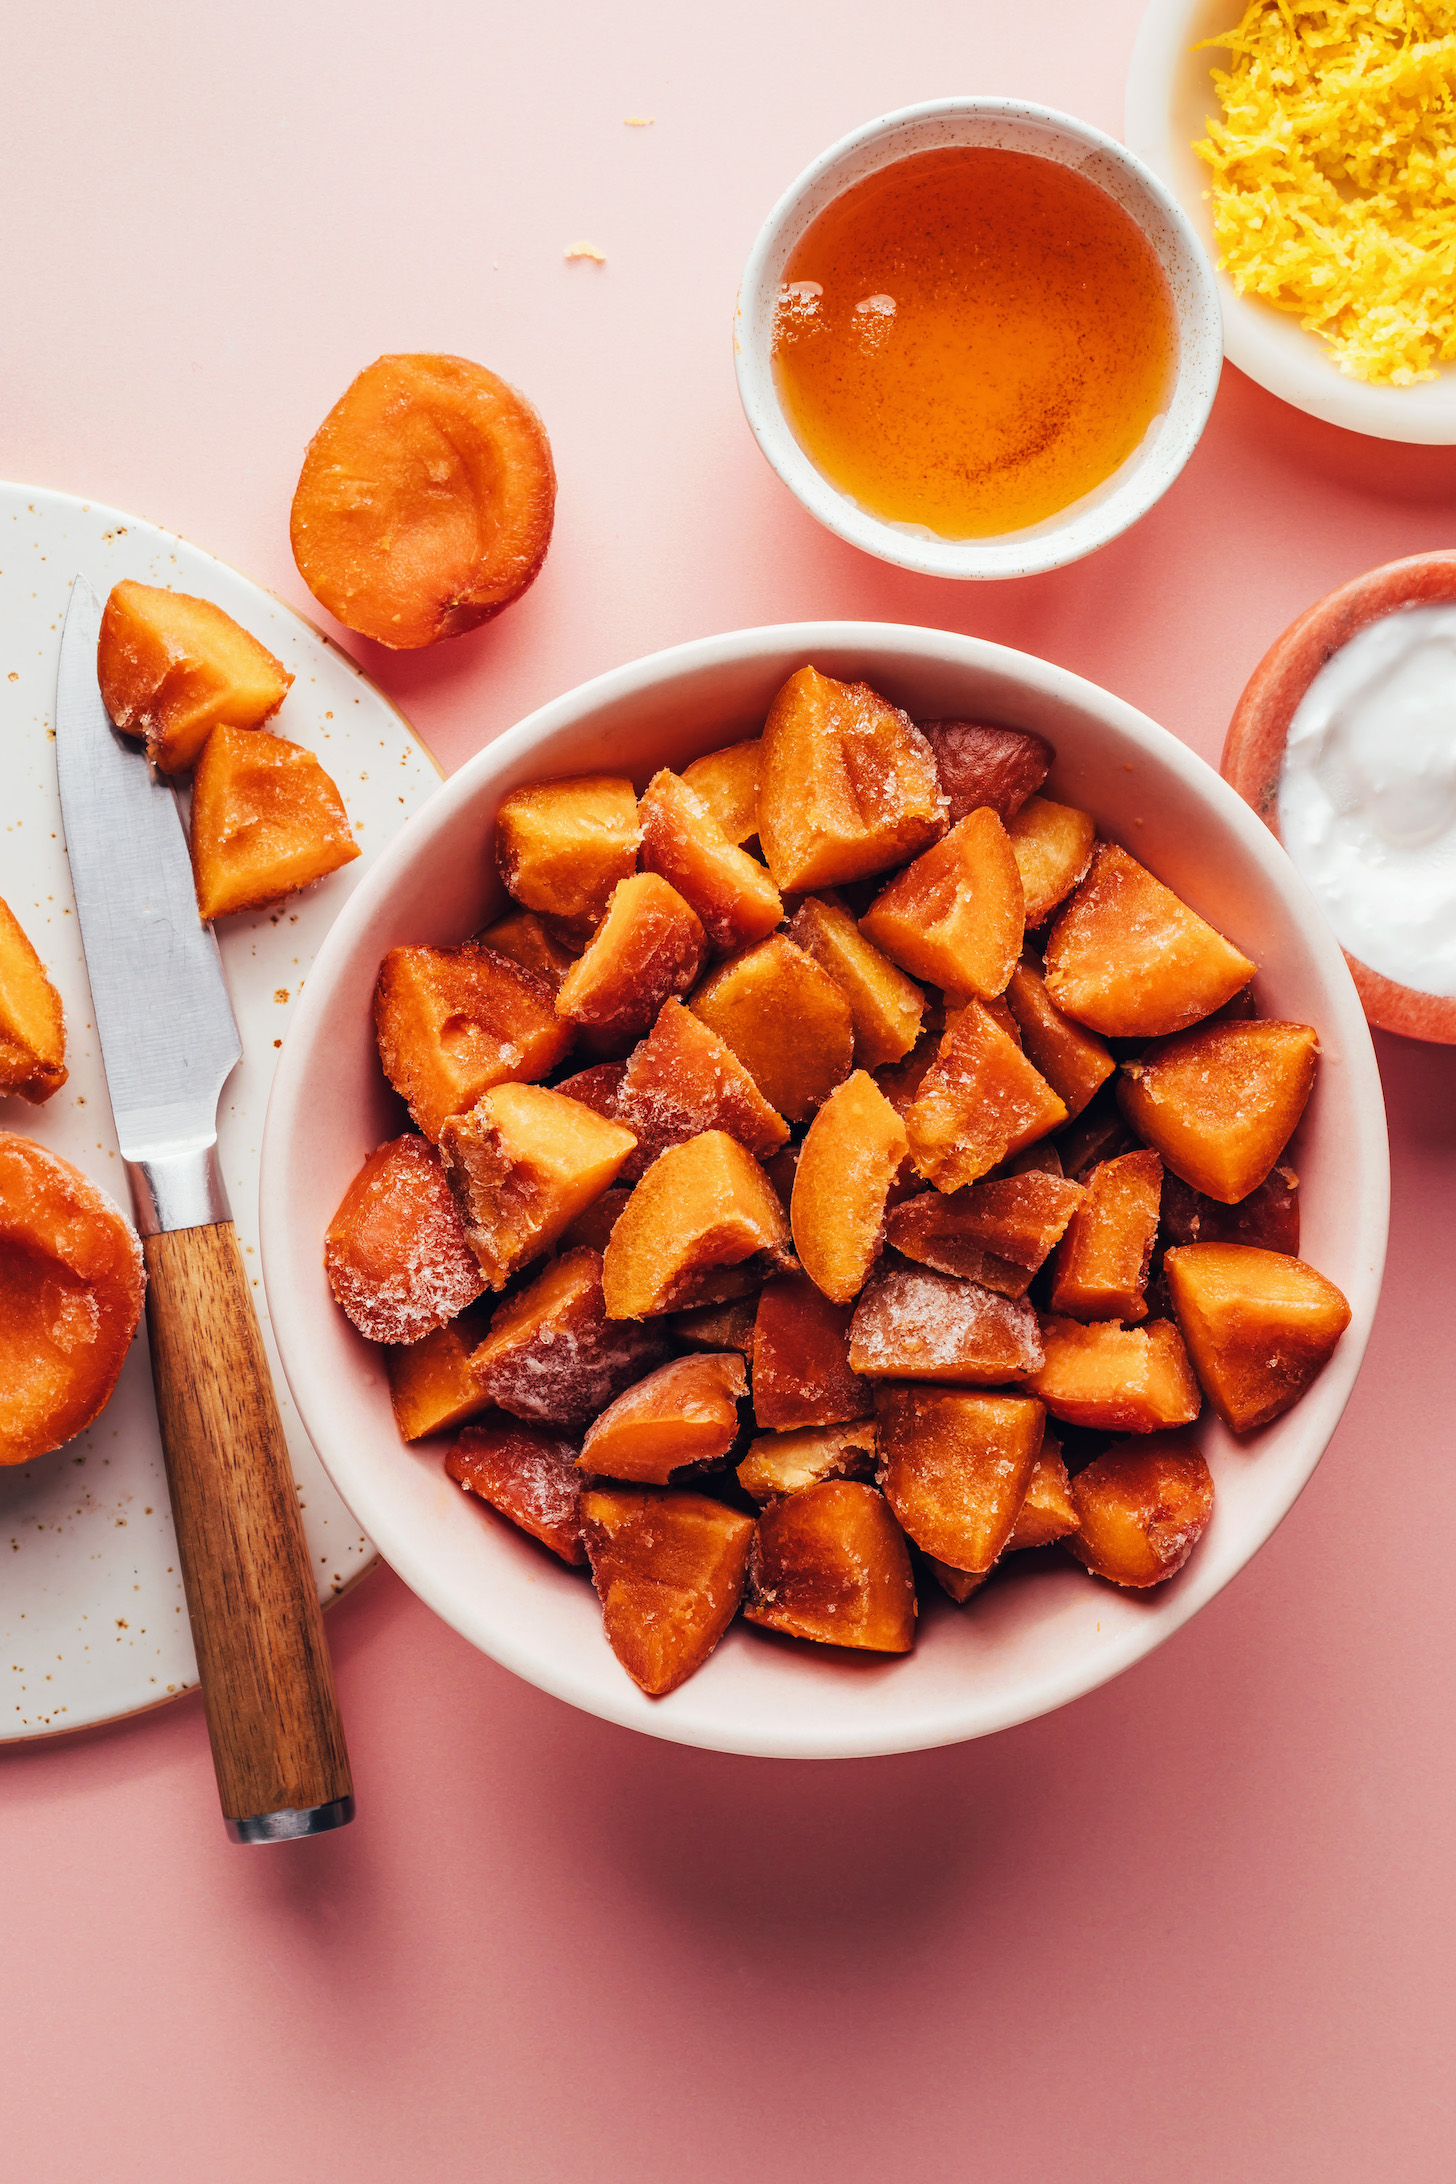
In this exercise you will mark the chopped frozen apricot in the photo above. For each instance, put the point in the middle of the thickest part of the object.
(996, 767)
(431, 1384)
(727, 781)
(901, 1081)
(648, 947)
(1072, 1060)
(266, 821)
(955, 1467)
(1268, 1217)
(525, 938)
(669, 1570)
(683, 1079)
(1100, 1133)
(717, 1326)
(784, 1463)
(595, 1223)
(701, 1207)
(957, 1585)
(1052, 845)
(886, 1005)
(912, 1324)
(980, 1100)
(997, 1233)
(425, 502)
(686, 1412)
(847, 784)
(1120, 1379)
(1102, 1265)
(1142, 1508)
(562, 846)
(529, 1474)
(523, 1163)
(1259, 1326)
(32, 1027)
(781, 1170)
(552, 1353)
(801, 1369)
(954, 916)
(1048, 1512)
(849, 1162)
(1221, 1103)
(172, 668)
(730, 891)
(71, 1287)
(830, 1563)
(398, 1259)
(454, 1022)
(786, 1019)
(1129, 959)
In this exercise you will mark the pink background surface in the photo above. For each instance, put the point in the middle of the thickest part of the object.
(1198, 1925)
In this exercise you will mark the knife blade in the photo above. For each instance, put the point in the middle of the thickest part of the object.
(168, 1043)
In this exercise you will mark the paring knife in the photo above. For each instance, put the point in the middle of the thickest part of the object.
(168, 1042)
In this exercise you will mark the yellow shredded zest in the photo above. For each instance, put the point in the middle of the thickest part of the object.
(1334, 191)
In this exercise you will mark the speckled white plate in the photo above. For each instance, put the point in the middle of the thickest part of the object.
(92, 1614)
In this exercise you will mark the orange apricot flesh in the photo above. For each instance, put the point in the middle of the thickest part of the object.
(830, 1563)
(956, 1467)
(266, 821)
(684, 1413)
(1142, 1507)
(847, 784)
(396, 1253)
(172, 668)
(453, 1022)
(1260, 1326)
(669, 1569)
(848, 1164)
(32, 1026)
(1222, 1102)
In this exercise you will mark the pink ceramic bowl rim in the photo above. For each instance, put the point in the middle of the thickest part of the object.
(1039, 1639)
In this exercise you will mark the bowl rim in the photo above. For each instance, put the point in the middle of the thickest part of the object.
(1087, 524)
(292, 1277)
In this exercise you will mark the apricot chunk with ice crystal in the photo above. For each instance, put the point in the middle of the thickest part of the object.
(451, 1023)
(1119, 1379)
(1129, 959)
(684, 1413)
(523, 1162)
(787, 1020)
(847, 784)
(431, 1384)
(1268, 1217)
(562, 846)
(729, 890)
(71, 1287)
(648, 947)
(700, 1207)
(885, 1005)
(398, 1259)
(954, 916)
(1073, 1061)
(1052, 845)
(1048, 1512)
(524, 937)
(980, 1100)
(849, 1161)
(425, 502)
(997, 1233)
(955, 1467)
(1260, 1327)
(1221, 1103)
(1142, 1507)
(669, 1569)
(801, 1370)
(683, 1079)
(529, 1474)
(266, 821)
(727, 781)
(1102, 1266)
(32, 1027)
(912, 1324)
(996, 767)
(172, 668)
(783, 1463)
(551, 1352)
(830, 1563)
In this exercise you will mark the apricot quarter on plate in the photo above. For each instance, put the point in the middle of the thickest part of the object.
(431, 1384)
(783, 1463)
(885, 1005)
(912, 1324)
(730, 891)
(1260, 1327)
(1130, 960)
(453, 1022)
(848, 1164)
(683, 1079)
(830, 1563)
(1073, 1061)
(669, 1570)
(955, 1467)
(1052, 845)
(979, 1101)
(684, 1413)
(1142, 1508)
(172, 668)
(32, 1027)
(727, 781)
(997, 1233)
(425, 502)
(71, 1288)
(801, 1370)
(1221, 1103)
(701, 1207)
(523, 1163)
(529, 1474)
(266, 821)
(787, 1020)
(954, 917)
(847, 784)
(996, 767)
(1119, 1379)
(1102, 1265)
(649, 947)
(562, 846)
(397, 1256)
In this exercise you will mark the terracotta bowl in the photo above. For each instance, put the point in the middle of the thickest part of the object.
(1253, 751)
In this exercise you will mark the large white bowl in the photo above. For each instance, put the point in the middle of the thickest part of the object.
(1026, 1645)
(1170, 95)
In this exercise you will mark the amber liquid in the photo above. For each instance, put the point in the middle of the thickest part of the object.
(969, 341)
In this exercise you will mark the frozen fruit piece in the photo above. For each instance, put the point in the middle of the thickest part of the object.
(997, 1233)
(731, 892)
(831, 1563)
(727, 781)
(847, 784)
(980, 1100)
(901, 1082)
(453, 1022)
(701, 1208)
(1141, 1509)
(523, 1163)
(684, 1413)
(527, 939)
(801, 1369)
(1048, 1512)
(32, 1028)
(996, 767)
(786, 1019)
(957, 1585)
(398, 1259)
(717, 1326)
(1052, 845)
(431, 1384)
(955, 1467)
(562, 846)
(71, 1285)
(552, 1353)
(785, 1463)
(954, 916)
(1101, 1133)
(597, 1088)
(172, 668)
(1120, 1379)
(266, 821)
(669, 1570)
(425, 501)
(912, 1324)
(719, 1285)
(848, 1163)
(1039, 1159)
(1129, 959)
(885, 1005)
(996, 1008)
(1072, 1060)
(1221, 1103)
(1102, 1265)
(683, 1079)
(1259, 1326)
(529, 1474)
(648, 947)
(1268, 1217)
(595, 1223)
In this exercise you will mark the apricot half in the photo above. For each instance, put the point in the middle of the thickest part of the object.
(847, 784)
(425, 502)
(1142, 1508)
(684, 1413)
(669, 1569)
(32, 1027)
(172, 668)
(1221, 1103)
(831, 1563)
(266, 821)
(396, 1252)
(1259, 1326)
(1129, 959)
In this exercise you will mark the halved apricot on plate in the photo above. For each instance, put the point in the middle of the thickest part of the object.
(32, 1026)
(172, 668)
(1260, 1327)
(266, 821)
(669, 1569)
(1221, 1103)
(397, 1256)
(830, 1563)
(847, 784)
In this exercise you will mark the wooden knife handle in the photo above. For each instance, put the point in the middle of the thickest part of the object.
(267, 1681)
